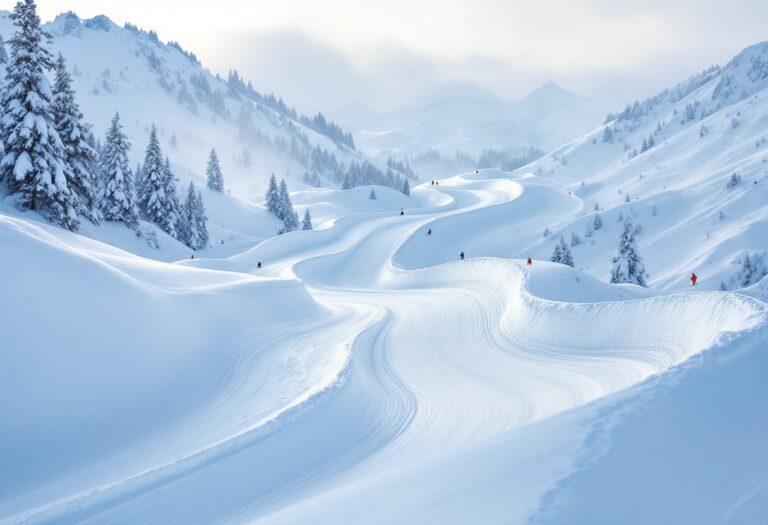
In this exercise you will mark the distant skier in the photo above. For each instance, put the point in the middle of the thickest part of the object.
(429, 231)
(477, 171)
(530, 262)
(192, 257)
(461, 255)
(402, 212)
(258, 266)
(694, 278)
(437, 183)
(432, 183)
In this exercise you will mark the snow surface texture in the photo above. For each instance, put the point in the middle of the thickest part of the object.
(366, 375)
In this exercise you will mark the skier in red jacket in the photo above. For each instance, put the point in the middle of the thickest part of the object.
(530, 262)
(693, 279)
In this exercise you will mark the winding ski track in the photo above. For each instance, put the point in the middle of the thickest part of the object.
(440, 355)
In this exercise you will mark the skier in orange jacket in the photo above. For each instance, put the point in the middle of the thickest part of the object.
(694, 278)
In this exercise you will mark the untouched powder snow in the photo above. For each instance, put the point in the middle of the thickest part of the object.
(366, 375)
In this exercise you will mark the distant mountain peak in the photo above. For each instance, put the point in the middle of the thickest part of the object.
(550, 92)
(68, 23)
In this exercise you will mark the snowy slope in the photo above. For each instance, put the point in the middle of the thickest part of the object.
(705, 130)
(130, 71)
(364, 374)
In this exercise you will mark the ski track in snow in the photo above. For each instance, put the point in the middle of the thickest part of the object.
(414, 354)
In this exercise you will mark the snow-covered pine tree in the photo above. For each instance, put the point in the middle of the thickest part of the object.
(272, 199)
(151, 186)
(285, 210)
(3, 53)
(202, 221)
(78, 154)
(372, 195)
(172, 214)
(628, 266)
(598, 222)
(562, 253)
(546, 231)
(575, 239)
(213, 171)
(32, 166)
(406, 188)
(346, 184)
(117, 197)
(193, 230)
(306, 222)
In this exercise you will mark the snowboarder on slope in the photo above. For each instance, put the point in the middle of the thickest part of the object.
(461, 255)
(259, 265)
(530, 262)
(429, 231)
(402, 212)
(694, 278)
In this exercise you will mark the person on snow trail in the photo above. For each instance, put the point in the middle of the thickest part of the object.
(402, 212)
(530, 262)
(258, 266)
(429, 231)
(694, 278)
(461, 255)
(192, 256)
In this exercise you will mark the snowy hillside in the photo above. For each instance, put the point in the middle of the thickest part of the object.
(689, 165)
(130, 71)
(400, 356)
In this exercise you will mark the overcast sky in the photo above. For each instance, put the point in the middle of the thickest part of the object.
(323, 54)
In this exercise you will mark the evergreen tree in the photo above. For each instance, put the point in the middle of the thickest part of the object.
(3, 53)
(117, 197)
(575, 239)
(285, 210)
(158, 201)
(193, 229)
(546, 231)
(79, 155)
(213, 171)
(152, 181)
(202, 221)
(372, 195)
(598, 222)
(172, 215)
(628, 266)
(306, 223)
(752, 270)
(272, 201)
(562, 253)
(32, 166)
(406, 188)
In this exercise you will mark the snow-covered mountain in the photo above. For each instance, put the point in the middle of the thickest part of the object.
(402, 362)
(129, 70)
(466, 117)
(689, 164)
